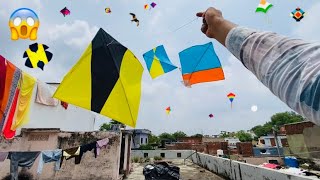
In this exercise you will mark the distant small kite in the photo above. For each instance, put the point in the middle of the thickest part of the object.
(107, 10)
(231, 97)
(146, 6)
(134, 18)
(264, 6)
(65, 11)
(211, 115)
(297, 14)
(168, 110)
(153, 4)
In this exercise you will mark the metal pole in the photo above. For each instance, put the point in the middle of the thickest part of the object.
(276, 140)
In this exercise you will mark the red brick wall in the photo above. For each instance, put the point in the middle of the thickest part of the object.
(212, 147)
(195, 140)
(297, 128)
(187, 146)
(245, 149)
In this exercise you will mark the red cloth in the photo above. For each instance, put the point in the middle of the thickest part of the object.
(7, 132)
(2, 76)
(64, 105)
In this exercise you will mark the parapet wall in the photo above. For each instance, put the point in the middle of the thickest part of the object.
(235, 170)
(168, 154)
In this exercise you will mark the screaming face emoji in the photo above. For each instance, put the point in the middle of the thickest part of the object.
(24, 23)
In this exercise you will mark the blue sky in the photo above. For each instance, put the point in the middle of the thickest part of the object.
(68, 37)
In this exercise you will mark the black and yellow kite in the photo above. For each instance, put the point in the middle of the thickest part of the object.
(106, 80)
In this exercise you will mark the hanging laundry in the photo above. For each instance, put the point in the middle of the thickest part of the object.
(21, 159)
(50, 156)
(12, 79)
(2, 77)
(84, 149)
(64, 105)
(7, 132)
(22, 115)
(3, 156)
(44, 94)
(70, 153)
(101, 143)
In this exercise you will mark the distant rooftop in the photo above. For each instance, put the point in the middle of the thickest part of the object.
(141, 131)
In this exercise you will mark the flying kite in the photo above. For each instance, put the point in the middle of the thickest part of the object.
(65, 11)
(264, 6)
(158, 62)
(134, 19)
(200, 64)
(37, 56)
(109, 76)
(107, 10)
(153, 4)
(231, 96)
(168, 110)
(211, 115)
(146, 6)
(297, 14)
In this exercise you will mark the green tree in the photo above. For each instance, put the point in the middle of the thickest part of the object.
(179, 134)
(244, 136)
(277, 120)
(145, 147)
(165, 135)
(197, 135)
(153, 139)
(105, 127)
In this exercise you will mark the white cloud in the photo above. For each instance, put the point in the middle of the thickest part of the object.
(78, 34)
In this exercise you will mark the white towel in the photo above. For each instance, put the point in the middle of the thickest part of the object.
(44, 94)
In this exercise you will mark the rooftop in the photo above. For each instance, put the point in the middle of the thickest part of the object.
(187, 171)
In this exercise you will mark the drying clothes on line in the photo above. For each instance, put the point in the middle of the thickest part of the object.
(12, 79)
(64, 105)
(3, 156)
(2, 76)
(22, 115)
(84, 149)
(70, 153)
(101, 143)
(7, 132)
(50, 156)
(21, 159)
(44, 94)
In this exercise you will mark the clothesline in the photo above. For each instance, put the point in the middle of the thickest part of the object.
(27, 158)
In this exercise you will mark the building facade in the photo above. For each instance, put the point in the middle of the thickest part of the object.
(140, 137)
(112, 162)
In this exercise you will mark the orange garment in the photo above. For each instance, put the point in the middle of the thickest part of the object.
(2, 77)
(7, 95)
(7, 132)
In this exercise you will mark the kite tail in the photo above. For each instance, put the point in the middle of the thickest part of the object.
(231, 105)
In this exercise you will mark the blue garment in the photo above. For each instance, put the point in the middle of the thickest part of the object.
(50, 156)
(21, 159)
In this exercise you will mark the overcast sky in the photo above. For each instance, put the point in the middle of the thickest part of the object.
(67, 37)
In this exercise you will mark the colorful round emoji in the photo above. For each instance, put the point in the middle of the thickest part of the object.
(24, 23)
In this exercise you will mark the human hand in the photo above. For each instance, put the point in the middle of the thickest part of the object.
(211, 21)
(214, 25)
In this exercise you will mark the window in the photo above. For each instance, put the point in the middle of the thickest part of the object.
(145, 155)
(146, 140)
(162, 155)
(179, 155)
(141, 140)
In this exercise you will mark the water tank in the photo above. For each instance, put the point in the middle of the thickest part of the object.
(291, 162)
(219, 152)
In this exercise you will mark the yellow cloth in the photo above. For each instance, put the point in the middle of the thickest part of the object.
(27, 83)
(67, 155)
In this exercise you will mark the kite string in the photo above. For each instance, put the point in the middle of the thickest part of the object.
(185, 25)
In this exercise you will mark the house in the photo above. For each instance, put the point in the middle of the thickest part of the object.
(113, 161)
(269, 141)
(303, 140)
(232, 142)
(140, 137)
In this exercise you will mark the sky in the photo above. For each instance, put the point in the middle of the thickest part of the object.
(67, 37)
